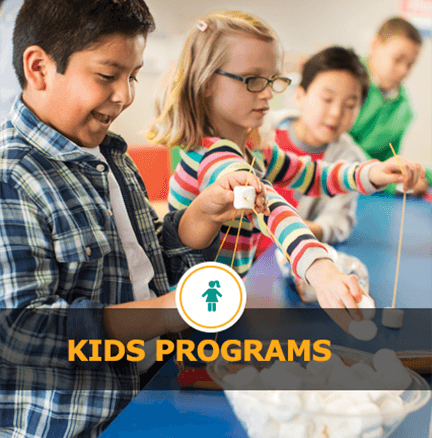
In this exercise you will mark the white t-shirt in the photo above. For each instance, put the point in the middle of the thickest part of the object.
(140, 267)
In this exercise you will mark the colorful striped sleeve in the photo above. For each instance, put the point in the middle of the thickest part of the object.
(314, 178)
(284, 222)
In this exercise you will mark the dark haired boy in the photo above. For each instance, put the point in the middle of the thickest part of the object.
(387, 112)
(334, 83)
(79, 239)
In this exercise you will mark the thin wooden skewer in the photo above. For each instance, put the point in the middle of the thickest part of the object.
(239, 228)
(400, 233)
(241, 216)
(232, 220)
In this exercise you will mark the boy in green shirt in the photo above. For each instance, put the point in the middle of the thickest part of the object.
(387, 112)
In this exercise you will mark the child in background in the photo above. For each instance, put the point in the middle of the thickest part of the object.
(227, 73)
(387, 112)
(334, 84)
(79, 239)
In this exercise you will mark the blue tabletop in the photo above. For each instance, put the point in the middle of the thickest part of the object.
(175, 412)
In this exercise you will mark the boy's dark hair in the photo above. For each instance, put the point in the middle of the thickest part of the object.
(63, 27)
(398, 26)
(335, 58)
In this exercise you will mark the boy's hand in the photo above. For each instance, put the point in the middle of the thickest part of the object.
(389, 172)
(203, 218)
(337, 293)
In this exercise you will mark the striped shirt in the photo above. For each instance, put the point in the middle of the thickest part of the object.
(216, 157)
(61, 262)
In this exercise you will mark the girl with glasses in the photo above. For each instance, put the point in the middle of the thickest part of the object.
(219, 92)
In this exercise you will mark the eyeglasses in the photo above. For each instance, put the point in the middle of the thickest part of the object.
(256, 84)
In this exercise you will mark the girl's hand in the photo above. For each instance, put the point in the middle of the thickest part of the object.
(337, 293)
(219, 197)
(203, 218)
(389, 172)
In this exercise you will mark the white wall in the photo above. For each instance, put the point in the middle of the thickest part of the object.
(303, 26)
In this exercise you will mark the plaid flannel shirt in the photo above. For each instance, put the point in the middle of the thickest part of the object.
(61, 262)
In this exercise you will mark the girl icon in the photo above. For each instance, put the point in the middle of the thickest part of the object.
(212, 295)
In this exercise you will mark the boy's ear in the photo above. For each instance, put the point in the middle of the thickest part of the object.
(299, 94)
(36, 63)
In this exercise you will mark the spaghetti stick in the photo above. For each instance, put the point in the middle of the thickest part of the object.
(399, 251)
(400, 233)
(232, 220)
(237, 238)
(241, 217)
(397, 159)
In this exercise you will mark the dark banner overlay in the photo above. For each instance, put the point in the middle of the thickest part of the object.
(267, 349)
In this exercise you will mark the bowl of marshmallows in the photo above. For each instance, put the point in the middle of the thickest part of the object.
(354, 394)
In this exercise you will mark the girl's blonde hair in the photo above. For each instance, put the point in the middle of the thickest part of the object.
(182, 114)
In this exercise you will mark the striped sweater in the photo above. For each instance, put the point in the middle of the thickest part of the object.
(215, 157)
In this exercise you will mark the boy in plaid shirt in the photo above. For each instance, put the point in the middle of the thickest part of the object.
(79, 239)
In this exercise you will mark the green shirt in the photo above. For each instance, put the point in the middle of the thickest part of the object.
(382, 121)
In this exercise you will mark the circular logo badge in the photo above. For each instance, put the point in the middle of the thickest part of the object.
(211, 297)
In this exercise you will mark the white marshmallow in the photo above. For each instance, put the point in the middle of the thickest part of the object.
(322, 368)
(367, 307)
(365, 416)
(242, 378)
(302, 428)
(341, 377)
(254, 414)
(363, 370)
(240, 193)
(383, 358)
(378, 396)
(359, 397)
(391, 410)
(269, 430)
(283, 406)
(373, 384)
(364, 330)
(316, 382)
(313, 402)
(375, 433)
(284, 380)
(392, 317)
(340, 431)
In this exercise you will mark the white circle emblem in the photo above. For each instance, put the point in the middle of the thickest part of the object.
(211, 297)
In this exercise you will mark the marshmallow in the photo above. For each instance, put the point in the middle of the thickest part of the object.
(284, 380)
(392, 317)
(367, 307)
(364, 330)
(298, 429)
(359, 397)
(375, 433)
(255, 415)
(382, 358)
(240, 193)
(341, 377)
(393, 374)
(340, 431)
(283, 406)
(391, 410)
(313, 402)
(365, 416)
(363, 370)
(242, 378)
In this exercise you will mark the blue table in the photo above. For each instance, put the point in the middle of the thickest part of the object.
(195, 414)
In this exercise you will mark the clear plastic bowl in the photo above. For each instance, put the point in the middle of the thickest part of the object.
(277, 414)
